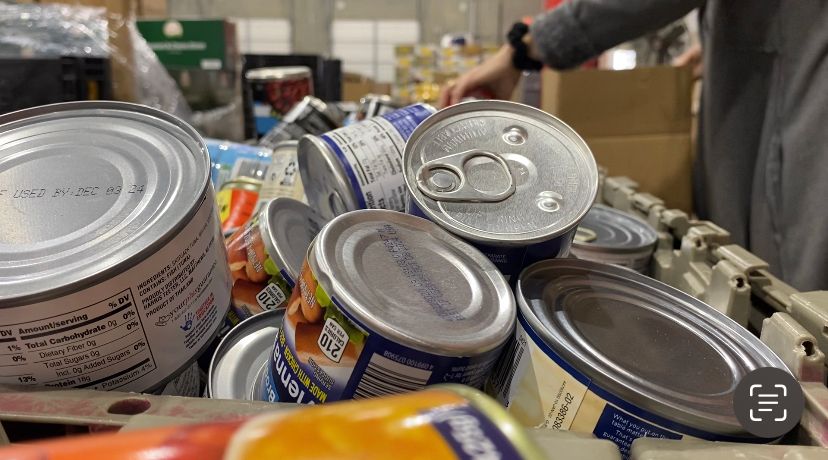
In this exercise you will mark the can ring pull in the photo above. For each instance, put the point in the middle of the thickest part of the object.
(444, 179)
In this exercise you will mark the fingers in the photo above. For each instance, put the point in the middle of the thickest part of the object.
(445, 94)
(459, 90)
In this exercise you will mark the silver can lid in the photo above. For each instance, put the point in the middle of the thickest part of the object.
(288, 227)
(608, 229)
(323, 175)
(500, 172)
(241, 356)
(87, 189)
(414, 283)
(278, 73)
(648, 343)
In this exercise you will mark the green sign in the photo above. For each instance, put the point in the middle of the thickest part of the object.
(190, 44)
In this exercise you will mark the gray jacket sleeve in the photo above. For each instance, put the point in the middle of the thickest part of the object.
(581, 29)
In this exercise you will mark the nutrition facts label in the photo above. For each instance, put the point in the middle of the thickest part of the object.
(100, 346)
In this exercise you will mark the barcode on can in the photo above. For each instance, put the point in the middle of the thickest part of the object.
(270, 297)
(385, 377)
(505, 369)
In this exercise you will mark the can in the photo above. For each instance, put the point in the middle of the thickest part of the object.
(602, 349)
(113, 273)
(238, 365)
(388, 303)
(614, 237)
(237, 201)
(375, 105)
(273, 91)
(265, 256)
(310, 116)
(446, 422)
(231, 160)
(282, 179)
(511, 179)
(359, 166)
(187, 383)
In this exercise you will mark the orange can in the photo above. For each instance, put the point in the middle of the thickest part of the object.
(237, 201)
(443, 422)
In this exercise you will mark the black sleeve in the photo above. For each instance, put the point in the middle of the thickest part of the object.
(581, 29)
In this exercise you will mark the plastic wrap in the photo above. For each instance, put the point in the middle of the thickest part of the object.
(52, 30)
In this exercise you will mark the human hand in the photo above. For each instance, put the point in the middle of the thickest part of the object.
(496, 76)
(691, 58)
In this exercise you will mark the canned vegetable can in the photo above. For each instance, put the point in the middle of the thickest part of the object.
(309, 116)
(388, 303)
(604, 350)
(611, 236)
(265, 256)
(510, 179)
(447, 422)
(114, 272)
(359, 166)
(273, 91)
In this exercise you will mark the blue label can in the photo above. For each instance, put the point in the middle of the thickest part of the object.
(359, 166)
(230, 160)
(510, 179)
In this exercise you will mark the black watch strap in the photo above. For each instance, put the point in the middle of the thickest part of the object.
(521, 59)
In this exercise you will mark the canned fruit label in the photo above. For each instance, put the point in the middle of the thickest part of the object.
(282, 178)
(540, 389)
(235, 207)
(129, 332)
(371, 153)
(258, 284)
(324, 354)
(437, 422)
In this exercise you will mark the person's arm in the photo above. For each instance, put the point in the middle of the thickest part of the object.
(567, 36)
(581, 29)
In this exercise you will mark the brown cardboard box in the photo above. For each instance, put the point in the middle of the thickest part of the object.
(660, 163)
(652, 100)
(355, 86)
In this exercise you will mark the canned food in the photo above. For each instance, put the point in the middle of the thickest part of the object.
(229, 160)
(187, 383)
(310, 116)
(237, 201)
(511, 179)
(359, 166)
(615, 237)
(282, 179)
(388, 303)
(602, 349)
(273, 91)
(265, 256)
(447, 422)
(113, 273)
(375, 105)
(238, 366)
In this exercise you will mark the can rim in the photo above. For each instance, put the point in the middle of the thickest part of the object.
(505, 107)
(266, 219)
(612, 380)
(188, 134)
(340, 185)
(278, 73)
(644, 249)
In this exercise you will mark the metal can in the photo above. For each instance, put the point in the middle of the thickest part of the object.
(113, 273)
(237, 201)
(187, 383)
(310, 116)
(602, 349)
(446, 422)
(614, 237)
(265, 256)
(375, 105)
(359, 166)
(388, 303)
(282, 179)
(511, 179)
(230, 160)
(273, 91)
(240, 361)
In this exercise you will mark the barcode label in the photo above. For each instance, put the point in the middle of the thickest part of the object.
(270, 297)
(249, 168)
(505, 369)
(385, 377)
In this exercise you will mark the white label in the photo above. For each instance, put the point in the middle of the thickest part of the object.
(131, 331)
(282, 178)
(270, 297)
(374, 149)
(332, 340)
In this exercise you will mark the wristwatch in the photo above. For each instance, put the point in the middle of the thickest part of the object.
(521, 59)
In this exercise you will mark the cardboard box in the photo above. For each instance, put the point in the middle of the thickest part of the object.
(355, 86)
(660, 163)
(654, 100)
(192, 44)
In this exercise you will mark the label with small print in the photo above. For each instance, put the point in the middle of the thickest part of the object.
(119, 333)
(323, 353)
(282, 178)
(371, 152)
